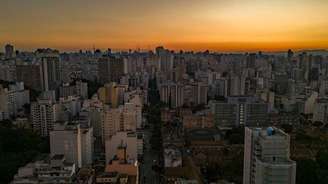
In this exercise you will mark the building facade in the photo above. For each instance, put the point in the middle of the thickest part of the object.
(267, 157)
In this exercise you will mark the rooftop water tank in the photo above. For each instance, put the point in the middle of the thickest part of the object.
(270, 131)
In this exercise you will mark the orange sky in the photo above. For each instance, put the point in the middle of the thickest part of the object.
(234, 25)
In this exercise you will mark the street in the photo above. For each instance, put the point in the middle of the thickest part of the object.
(147, 175)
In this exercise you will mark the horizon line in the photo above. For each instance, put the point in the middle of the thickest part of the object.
(143, 49)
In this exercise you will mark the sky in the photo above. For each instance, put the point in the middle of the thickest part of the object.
(218, 25)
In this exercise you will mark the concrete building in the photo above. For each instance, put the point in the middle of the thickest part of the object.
(73, 140)
(310, 102)
(30, 74)
(8, 72)
(236, 85)
(112, 94)
(95, 109)
(320, 112)
(9, 51)
(218, 88)
(176, 95)
(127, 117)
(112, 122)
(43, 114)
(110, 69)
(267, 157)
(240, 110)
(68, 106)
(13, 98)
(195, 93)
(165, 59)
(50, 171)
(198, 121)
(50, 68)
(77, 88)
(123, 165)
(133, 110)
(202, 92)
(164, 91)
(129, 140)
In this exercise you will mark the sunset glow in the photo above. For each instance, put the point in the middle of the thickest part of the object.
(178, 24)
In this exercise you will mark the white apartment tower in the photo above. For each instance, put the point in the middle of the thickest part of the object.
(74, 141)
(267, 157)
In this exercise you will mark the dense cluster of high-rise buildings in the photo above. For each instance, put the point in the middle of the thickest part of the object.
(91, 105)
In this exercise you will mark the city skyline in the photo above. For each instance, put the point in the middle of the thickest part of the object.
(198, 25)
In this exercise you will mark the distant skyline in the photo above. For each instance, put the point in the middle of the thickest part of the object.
(216, 25)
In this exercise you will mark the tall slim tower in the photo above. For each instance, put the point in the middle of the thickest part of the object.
(50, 68)
(43, 116)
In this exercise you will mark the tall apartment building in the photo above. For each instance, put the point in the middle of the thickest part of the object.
(176, 99)
(112, 94)
(30, 74)
(8, 72)
(172, 94)
(218, 88)
(73, 140)
(127, 117)
(112, 122)
(50, 68)
(71, 105)
(164, 91)
(78, 88)
(9, 51)
(94, 107)
(12, 99)
(133, 106)
(176, 94)
(110, 69)
(267, 157)
(195, 93)
(235, 85)
(43, 115)
(165, 59)
(202, 91)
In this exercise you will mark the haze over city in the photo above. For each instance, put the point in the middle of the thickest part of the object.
(217, 25)
(163, 92)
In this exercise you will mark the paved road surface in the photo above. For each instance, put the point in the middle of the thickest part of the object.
(148, 176)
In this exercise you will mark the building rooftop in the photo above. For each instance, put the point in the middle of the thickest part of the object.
(204, 134)
(58, 157)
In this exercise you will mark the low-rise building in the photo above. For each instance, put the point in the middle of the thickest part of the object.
(127, 169)
(129, 140)
(49, 171)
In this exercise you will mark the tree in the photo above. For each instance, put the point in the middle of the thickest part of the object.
(287, 128)
(17, 148)
(306, 172)
(322, 159)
